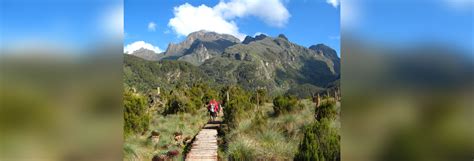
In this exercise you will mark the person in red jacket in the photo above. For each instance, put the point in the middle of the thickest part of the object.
(213, 108)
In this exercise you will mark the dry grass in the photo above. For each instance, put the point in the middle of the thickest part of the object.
(140, 147)
(276, 139)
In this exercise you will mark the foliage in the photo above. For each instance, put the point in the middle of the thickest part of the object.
(327, 109)
(321, 139)
(145, 75)
(136, 117)
(284, 104)
(262, 97)
(237, 105)
(261, 137)
(304, 90)
(225, 70)
(189, 100)
(141, 147)
(179, 103)
(320, 143)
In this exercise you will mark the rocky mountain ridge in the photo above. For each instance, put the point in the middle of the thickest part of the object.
(274, 63)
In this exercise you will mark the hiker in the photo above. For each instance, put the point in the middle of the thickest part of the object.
(213, 108)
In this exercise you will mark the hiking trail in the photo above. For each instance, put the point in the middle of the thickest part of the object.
(204, 147)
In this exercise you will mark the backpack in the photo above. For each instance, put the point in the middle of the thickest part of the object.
(213, 107)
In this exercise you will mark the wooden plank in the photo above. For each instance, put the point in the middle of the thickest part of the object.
(204, 147)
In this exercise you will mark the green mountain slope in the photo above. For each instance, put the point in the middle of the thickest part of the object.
(273, 63)
(146, 75)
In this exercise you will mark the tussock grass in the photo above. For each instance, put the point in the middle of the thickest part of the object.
(140, 147)
(276, 137)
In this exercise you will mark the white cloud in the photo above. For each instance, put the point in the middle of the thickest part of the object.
(112, 21)
(259, 33)
(334, 3)
(460, 5)
(190, 19)
(272, 12)
(151, 26)
(352, 15)
(130, 48)
(220, 18)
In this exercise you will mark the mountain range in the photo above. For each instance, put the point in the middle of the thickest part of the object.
(274, 63)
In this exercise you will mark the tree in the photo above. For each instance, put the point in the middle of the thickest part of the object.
(136, 117)
(321, 142)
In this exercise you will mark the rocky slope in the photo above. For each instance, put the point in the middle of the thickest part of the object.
(274, 63)
(146, 54)
(200, 46)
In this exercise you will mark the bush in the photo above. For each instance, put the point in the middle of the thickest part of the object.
(180, 103)
(262, 97)
(320, 143)
(136, 117)
(183, 99)
(239, 103)
(326, 110)
(284, 104)
(304, 90)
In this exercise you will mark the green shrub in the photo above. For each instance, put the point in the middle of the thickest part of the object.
(179, 103)
(262, 97)
(136, 117)
(304, 90)
(326, 110)
(284, 104)
(320, 143)
(238, 104)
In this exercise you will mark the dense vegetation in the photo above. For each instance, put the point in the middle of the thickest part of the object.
(259, 134)
(284, 104)
(221, 71)
(320, 143)
(262, 123)
(154, 119)
(136, 116)
(145, 75)
(237, 106)
(321, 139)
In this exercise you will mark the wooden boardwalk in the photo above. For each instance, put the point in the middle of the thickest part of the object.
(204, 147)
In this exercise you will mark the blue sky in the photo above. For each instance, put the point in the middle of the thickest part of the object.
(74, 24)
(80, 23)
(305, 22)
(410, 22)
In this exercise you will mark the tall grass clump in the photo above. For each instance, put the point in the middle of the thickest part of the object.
(130, 152)
(242, 149)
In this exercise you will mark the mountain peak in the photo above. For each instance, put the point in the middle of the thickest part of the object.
(205, 35)
(200, 46)
(249, 39)
(283, 37)
(319, 46)
(146, 54)
(325, 50)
